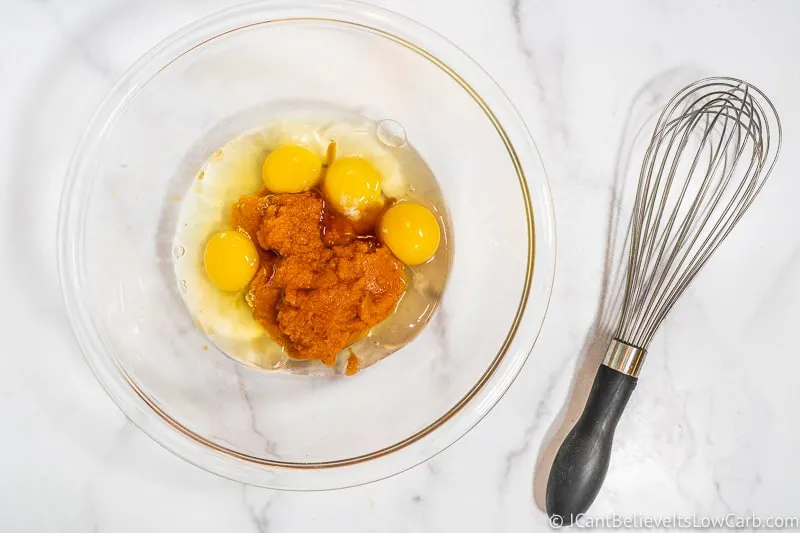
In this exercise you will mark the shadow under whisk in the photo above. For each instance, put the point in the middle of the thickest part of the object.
(639, 120)
(712, 149)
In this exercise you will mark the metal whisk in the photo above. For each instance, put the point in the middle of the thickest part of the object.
(712, 150)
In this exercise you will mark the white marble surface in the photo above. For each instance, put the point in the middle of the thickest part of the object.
(712, 427)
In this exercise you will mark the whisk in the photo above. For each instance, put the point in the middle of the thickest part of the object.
(711, 152)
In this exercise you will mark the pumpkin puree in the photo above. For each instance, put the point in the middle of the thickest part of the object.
(321, 286)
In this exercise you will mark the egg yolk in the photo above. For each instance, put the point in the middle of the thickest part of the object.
(231, 260)
(411, 232)
(291, 168)
(352, 186)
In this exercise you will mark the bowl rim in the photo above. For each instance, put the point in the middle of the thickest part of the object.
(345, 472)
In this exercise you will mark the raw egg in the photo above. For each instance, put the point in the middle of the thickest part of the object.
(411, 232)
(291, 168)
(238, 168)
(224, 316)
(231, 260)
(352, 186)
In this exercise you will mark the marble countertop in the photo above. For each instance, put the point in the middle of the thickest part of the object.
(712, 428)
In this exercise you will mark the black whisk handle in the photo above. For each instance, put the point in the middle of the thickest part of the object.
(582, 461)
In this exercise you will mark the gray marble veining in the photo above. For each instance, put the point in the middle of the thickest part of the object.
(706, 431)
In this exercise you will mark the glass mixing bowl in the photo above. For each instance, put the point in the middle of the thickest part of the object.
(224, 75)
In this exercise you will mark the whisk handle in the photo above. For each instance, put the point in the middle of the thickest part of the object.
(581, 463)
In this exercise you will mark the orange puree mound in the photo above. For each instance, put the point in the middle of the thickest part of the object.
(327, 286)
(247, 214)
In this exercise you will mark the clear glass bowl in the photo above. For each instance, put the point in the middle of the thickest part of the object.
(219, 77)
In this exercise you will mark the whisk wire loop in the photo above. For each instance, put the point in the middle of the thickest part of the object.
(712, 149)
